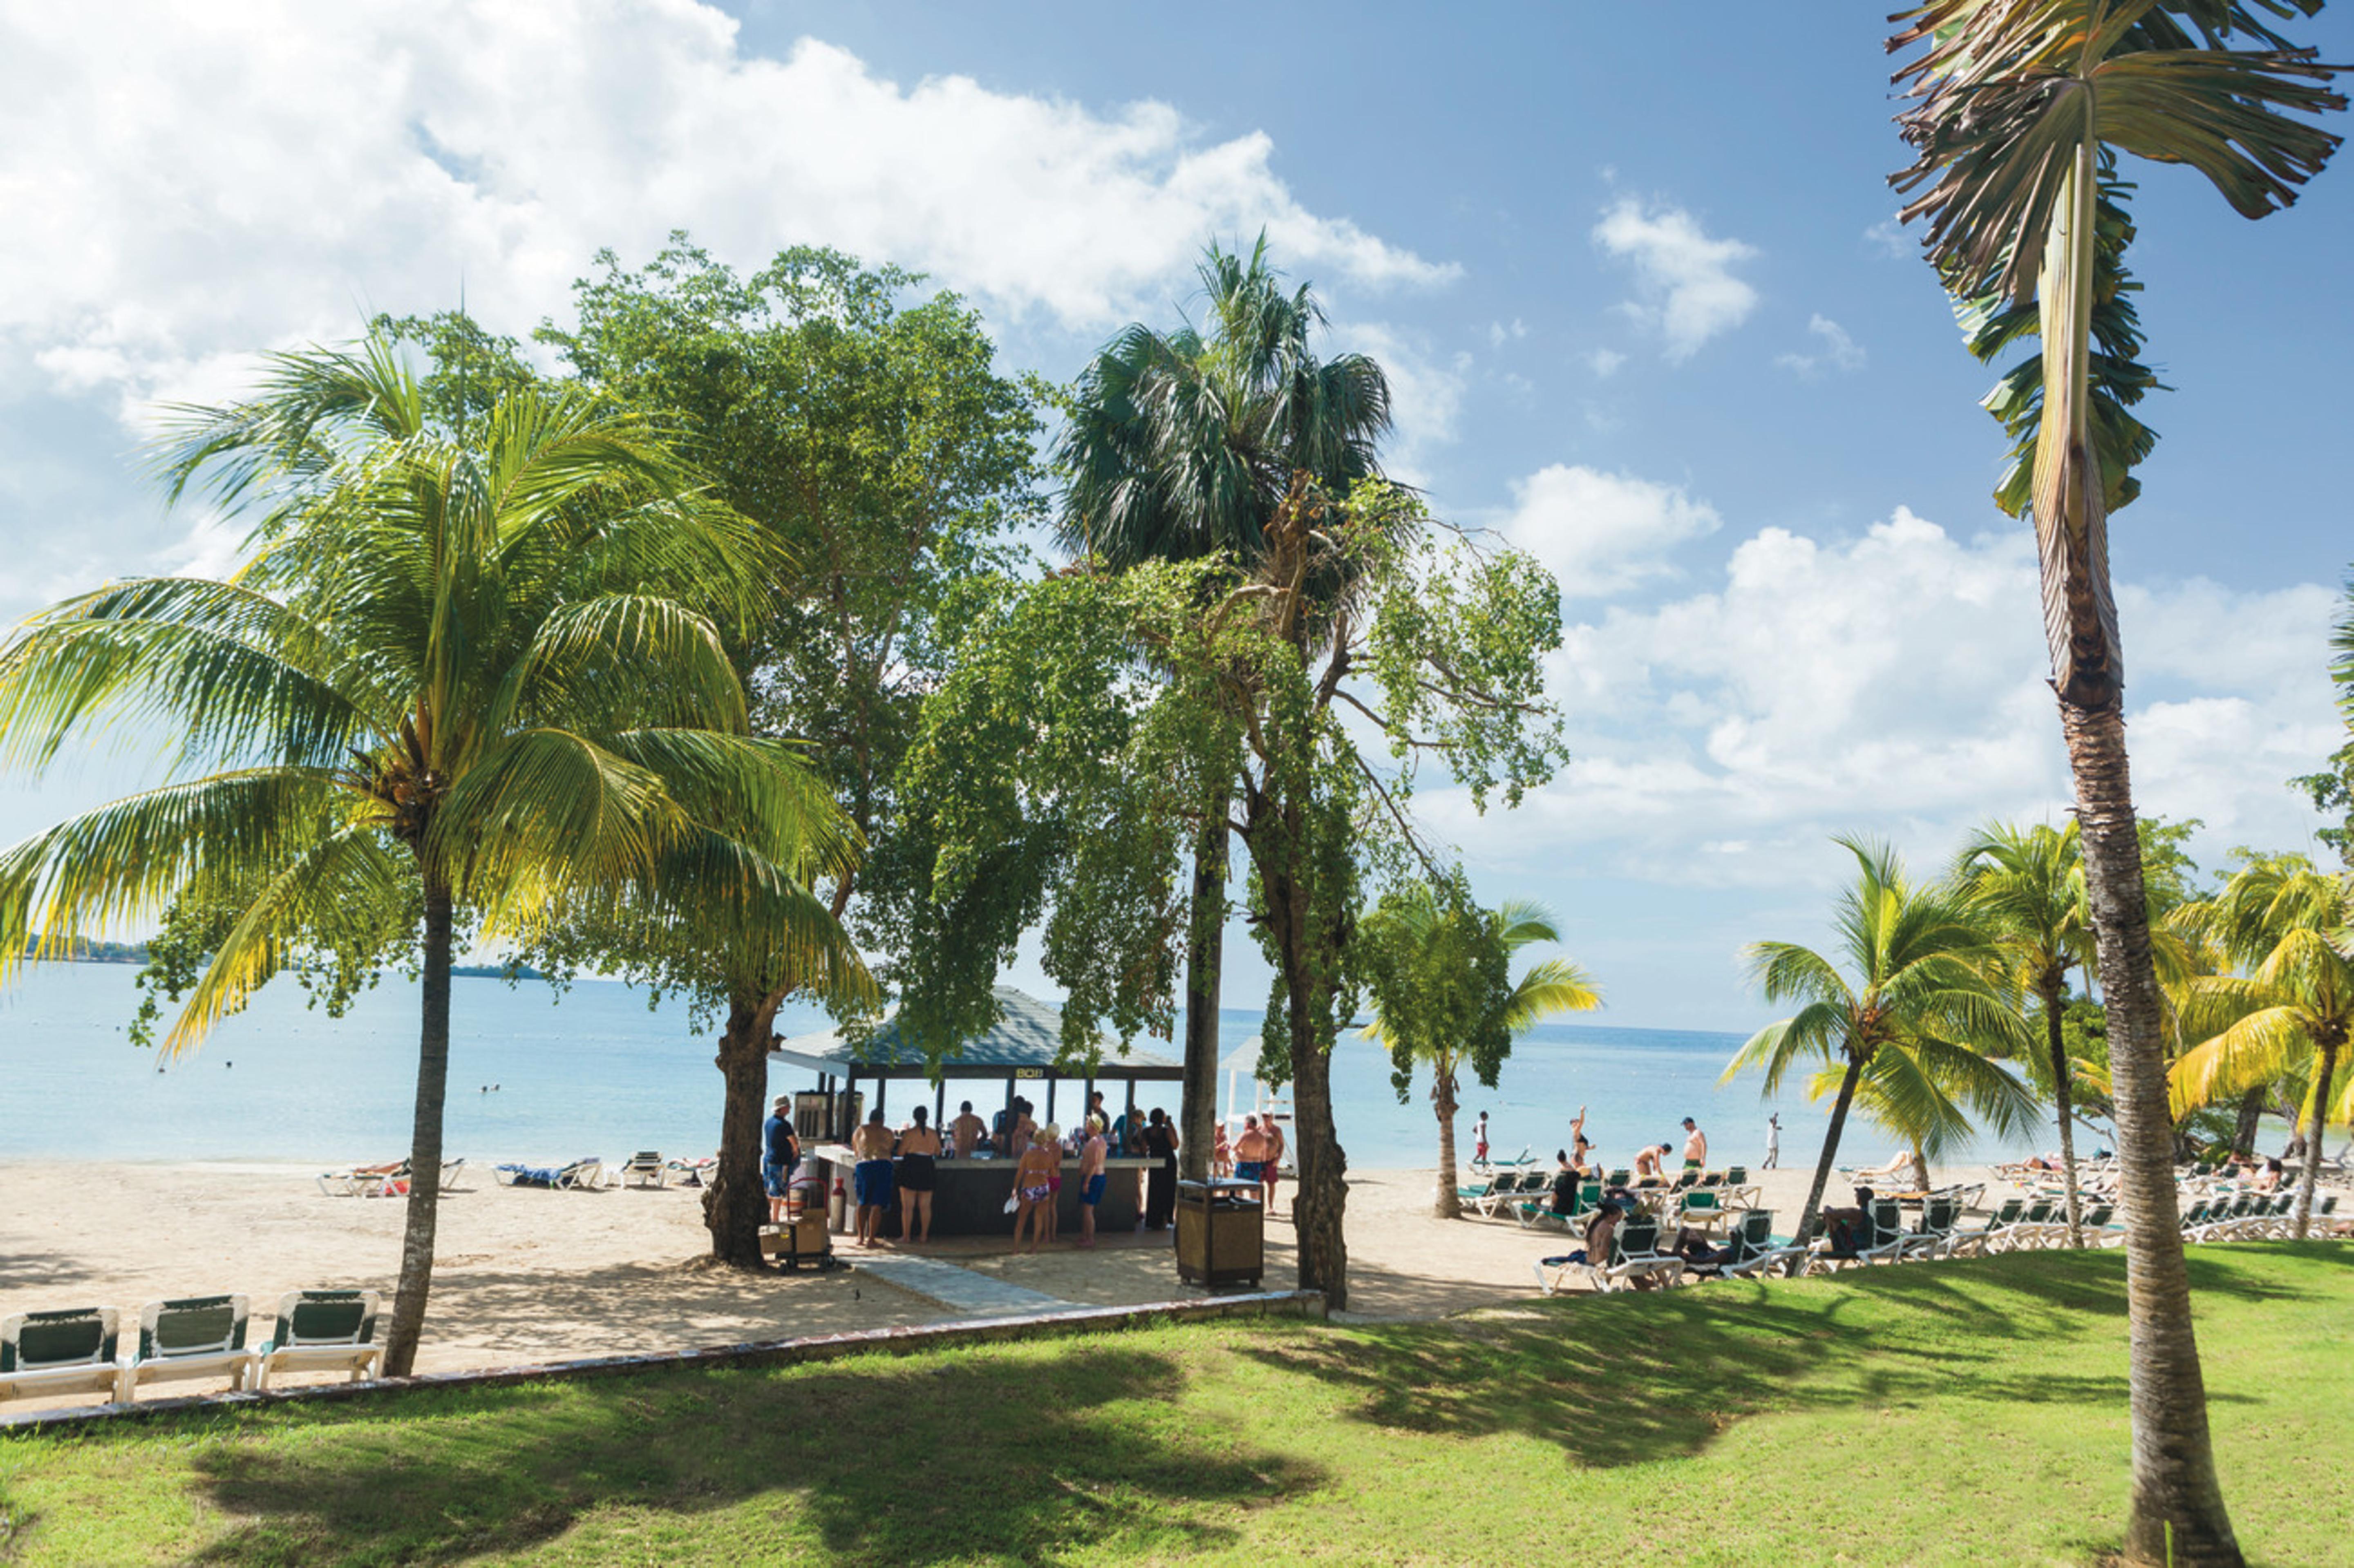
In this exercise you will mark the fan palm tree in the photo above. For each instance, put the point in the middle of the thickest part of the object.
(1415, 922)
(1909, 1012)
(464, 671)
(2292, 926)
(2020, 110)
(2028, 888)
(1183, 445)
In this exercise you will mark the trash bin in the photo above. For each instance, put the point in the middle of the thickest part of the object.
(1221, 1233)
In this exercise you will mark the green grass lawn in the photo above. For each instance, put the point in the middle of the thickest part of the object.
(1971, 1412)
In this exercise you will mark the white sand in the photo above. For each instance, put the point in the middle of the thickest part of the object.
(527, 1275)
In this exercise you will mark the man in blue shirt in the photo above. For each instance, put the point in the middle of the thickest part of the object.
(780, 1153)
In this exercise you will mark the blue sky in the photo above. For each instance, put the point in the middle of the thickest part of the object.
(1636, 284)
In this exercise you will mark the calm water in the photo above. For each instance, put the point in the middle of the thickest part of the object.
(598, 1073)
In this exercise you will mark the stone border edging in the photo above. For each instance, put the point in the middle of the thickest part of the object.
(899, 1340)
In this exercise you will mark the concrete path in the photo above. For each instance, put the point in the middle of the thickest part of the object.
(962, 1290)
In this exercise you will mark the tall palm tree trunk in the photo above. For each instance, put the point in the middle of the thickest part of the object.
(736, 1203)
(1449, 1206)
(2178, 1512)
(2319, 1122)
(1197, 1110)
(424, 1142)
(1831, 1150)
(2064, 1095)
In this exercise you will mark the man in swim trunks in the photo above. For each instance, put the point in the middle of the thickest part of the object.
(919, 1152)
(967, 1130)
(1695, 1145)
(872, 1175)
(1648, 1166)
(1270, 1170)
(780, 1152)
(1093, 1178)
(1250, 1153)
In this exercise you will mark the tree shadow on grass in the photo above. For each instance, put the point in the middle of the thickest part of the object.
(948, 1458)
(1631, 1379)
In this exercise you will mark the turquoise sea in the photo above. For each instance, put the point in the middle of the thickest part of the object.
(593, 1071)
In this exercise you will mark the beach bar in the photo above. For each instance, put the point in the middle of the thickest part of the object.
(1025, 1050)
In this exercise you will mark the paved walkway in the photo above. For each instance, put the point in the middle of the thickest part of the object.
(963, 1291)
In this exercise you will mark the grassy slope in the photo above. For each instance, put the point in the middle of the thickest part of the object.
(1950, 1413)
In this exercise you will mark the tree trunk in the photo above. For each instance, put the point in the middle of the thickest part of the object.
(1920, 1169)
(1449, 1206)
(736, 1204)
(424, 1142)
(2178, 1513)
(2243, 1135)
(1830, 1152)
(2315, 1141)
(1323, 1194)
(1197, 1110)
(2063, 1093)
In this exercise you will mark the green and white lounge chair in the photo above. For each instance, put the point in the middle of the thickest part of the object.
(1974, 1241)
(1885, 1243)
(196, 1336)
(644, 1169)
(1938, 1217)
(1760, 1248)
(323, 1330)
(1633, 1257)
(68, 1351)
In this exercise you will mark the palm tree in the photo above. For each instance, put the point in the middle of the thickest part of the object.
(1907, 1011)
(2021, 110)
(2292, 928)
(1183, 445)
(1438, 940)
(464, 672)
(2028, 888)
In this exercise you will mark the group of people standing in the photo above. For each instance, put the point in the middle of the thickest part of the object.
(1255, 1155)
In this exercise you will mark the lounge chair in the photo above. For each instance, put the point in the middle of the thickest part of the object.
(365, 1181)
(1504, 1191)
(1884, 1244)
(694, 1173)
(1738, 1192)
(1977, 1241)
(644, 1169)
(1634, 1256)
(585, 1176)
(68, 1351)
(1540, 1211)
(323, 1330)
(1703, 1207)
(1761, 1249)
(196, 1336)
(1938, 1217)
(449, 1173)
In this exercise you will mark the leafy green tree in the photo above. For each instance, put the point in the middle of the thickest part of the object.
(2332, 789)
(2292, 926)
(1086, 716)
(464, 672)
(2019, 113)
(1181, 446)
(872, 441)
(1437, 973)
(1899, 1015)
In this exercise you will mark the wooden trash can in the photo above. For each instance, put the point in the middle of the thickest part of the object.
(1221, 1233)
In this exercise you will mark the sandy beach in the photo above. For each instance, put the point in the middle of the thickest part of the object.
(528, 1274)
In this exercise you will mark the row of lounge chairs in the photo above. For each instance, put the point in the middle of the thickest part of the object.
(1528, 1194)
(647, 1167)
(1636, 1261)
(78, 1350)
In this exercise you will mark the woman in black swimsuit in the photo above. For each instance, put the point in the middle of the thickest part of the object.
(1161, 1188)
(920, 1151)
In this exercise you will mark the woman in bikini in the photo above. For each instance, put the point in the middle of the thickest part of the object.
(1032, 1186)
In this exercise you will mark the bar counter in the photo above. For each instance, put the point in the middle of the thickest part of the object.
(969, 1197)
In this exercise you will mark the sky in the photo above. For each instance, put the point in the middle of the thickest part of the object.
(1641, 294)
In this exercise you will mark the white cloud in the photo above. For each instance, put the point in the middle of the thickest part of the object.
(1425, 393)
(1499, 334)
(1838, 350)
(185, 185)
(1895, 684)
(1605, 362)
(1598, 533)
(1686, 289)
(1887, 238)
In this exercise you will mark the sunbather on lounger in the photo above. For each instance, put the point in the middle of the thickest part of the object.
(1599, 1232)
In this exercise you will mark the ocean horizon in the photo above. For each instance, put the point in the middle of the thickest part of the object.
(540, 1075)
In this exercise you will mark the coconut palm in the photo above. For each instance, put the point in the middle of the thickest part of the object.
(2020, 110)
(1183, 445)
(1905, 1002)
(1452, 1021)
(464, 672)
(2292, 926)
(2028, 889)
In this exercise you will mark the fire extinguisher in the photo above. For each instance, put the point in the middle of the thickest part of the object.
(841, 1205)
